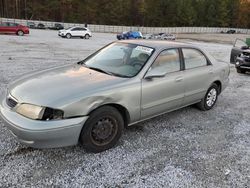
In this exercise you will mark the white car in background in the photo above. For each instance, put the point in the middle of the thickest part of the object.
(81, 32)
(167, 37)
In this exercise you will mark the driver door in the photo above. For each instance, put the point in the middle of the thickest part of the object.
(164, 92)
(237, 49)
(75, 32)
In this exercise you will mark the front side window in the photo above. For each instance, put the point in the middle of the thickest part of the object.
(120, 59)
(193, 58)
(168, 61)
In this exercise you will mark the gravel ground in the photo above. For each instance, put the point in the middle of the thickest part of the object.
(185, 148)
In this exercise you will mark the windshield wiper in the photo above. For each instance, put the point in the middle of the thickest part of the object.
(103, 71)
(100, 70)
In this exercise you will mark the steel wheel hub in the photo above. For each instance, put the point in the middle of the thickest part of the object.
(104, 131)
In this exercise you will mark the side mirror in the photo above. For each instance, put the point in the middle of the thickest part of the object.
(155, 73)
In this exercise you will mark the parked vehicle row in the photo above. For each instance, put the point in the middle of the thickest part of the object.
(13, 28)
(129, 35)
(32, 25)
(138, 35)
(160, 36)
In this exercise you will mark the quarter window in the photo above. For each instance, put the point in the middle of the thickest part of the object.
(168, 61)
(193, 58)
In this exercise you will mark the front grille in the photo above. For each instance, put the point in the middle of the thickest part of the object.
(11, 102)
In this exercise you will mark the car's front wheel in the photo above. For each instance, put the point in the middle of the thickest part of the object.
(210, 98)
(68, 36)
(20, 33)
(241, 71)
(87, 36)
(102, 130)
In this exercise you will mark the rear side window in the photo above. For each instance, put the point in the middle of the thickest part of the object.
(193, 58)
(13, 24)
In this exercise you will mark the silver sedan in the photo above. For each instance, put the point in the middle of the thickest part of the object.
(121, 84)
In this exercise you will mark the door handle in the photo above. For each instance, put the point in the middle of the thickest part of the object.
(211, 72)
(179, 79)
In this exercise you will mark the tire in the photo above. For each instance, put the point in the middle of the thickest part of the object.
(87, 36)
(102, 130)
(20, 33)
(68, 36)
(210, 99)
(241, 71)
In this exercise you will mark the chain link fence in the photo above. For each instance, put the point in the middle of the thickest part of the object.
(119, 29)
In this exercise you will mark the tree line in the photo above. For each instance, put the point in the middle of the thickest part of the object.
(154, 13)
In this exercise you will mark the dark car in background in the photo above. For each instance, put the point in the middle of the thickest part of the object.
(239, 47)
(57, 26)
(231, 31)
(129, 35)
(13, 28)
(40, 26)
(240, 56)
(31, 25)
(242, 64)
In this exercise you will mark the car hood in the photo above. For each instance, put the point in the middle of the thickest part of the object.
(57, 85)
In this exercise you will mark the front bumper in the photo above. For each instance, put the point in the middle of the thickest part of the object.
(61, 34)
(242, 63)
(42, 134)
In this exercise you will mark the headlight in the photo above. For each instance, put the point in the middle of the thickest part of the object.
(30, 111)
(50, 113)
(39, 112)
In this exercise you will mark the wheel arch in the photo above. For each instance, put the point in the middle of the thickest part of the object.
(219, 84)
(121, 109)
(18, 31)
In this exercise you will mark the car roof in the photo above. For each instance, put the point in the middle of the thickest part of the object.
(158, 44)
(78, 27)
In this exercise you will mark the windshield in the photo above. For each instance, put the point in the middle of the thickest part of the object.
(120, 59)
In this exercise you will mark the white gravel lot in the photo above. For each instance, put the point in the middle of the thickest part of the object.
(185, 148)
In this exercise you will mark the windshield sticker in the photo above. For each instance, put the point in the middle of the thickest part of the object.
(144, 49)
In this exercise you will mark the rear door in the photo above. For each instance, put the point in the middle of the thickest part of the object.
(12, 27)
(198, 75)
(82, 31)
(4, 27)
(165, 93)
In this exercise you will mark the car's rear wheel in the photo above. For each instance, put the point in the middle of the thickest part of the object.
(241, 71)
(210, 98)
(102, 130)
(87, 36)
(68, 36)
(20, 33)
